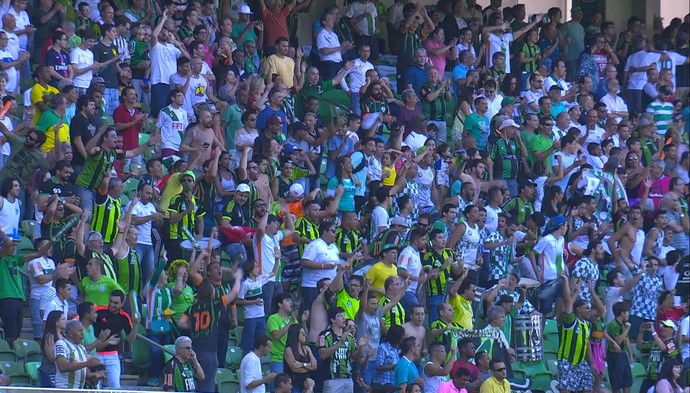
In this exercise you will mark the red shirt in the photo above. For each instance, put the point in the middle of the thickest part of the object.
(275, 25)
(474, 370)
(131, 134)
(675, 314)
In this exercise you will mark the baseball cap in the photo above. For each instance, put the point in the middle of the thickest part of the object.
(190, 174)
(243, 188)
(296, 190)
(397, 220)
(507, 101)
(555, 223)
(576, 9)
(290, 148)
(555, 87)
(678, 117)
(244, 9)
(670, 324)
(96, 80)
(508, 123)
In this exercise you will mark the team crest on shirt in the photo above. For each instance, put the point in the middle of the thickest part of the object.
(101, 288)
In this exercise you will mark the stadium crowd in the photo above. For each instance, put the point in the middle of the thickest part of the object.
(429, 199)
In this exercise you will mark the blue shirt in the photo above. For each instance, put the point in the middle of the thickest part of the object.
(265, 114)
(557, 108)
(416, 77)
(333, 145)
(405, 372)
(546, 44)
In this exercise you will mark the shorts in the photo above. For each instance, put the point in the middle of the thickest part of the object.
(620, 375)
(574, 377)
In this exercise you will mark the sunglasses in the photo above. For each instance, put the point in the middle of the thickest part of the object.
(498, 370)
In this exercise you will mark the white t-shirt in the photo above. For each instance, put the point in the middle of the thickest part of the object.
(163, 62)
(82, 59)
(500, 43)
(38, 267)
(492, 217)
(532, 97)
(551, 255)
(250, 371)
(7, 57)
(6, 147)
(368, 23)
(196, 91)
(55, 304)
(685, 331)
(357, 74)
(425, 180)
(320, 252)
(637, 80)
(327, 39)
(144, 230)
(381, 218)
(538, 192)
(568, 160)
(614, 104)
(410, 261)
(596, 135)
(172, 131)
(251, 289)
(415, 140)
(674, 60)
(22, 19)
(265, 252)
(613, 296)
(12, 43)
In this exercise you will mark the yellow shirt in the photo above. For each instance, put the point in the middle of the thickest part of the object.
(463, 312)
(284, 67)
(37, 94)
(378, 274)
(49, 144)
(390, 180)
(492, 385)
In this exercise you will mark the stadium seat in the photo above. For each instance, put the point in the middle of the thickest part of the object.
(553, 368)
(227, 381)
(6, 353)
(550, 344)
(16, 373)
(27, 228)
(550, 327)
(233, 357)
(538, 373)
(166, 355)
(31, 369)
(28, 350)
(141, 350)
(238, 332)
(637, 370)
(265, 364)
(550, 355)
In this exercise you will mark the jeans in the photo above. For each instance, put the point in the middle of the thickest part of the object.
(432, 306)
(278, 368)
(111, 362)
(159, 97)
(223, 339)
(548, 292)
(236, 252)
(635, 100)
(112, 100)
(86, 199)
(147, 260)
(329, 69)
(512, 186)
(308, 297)
(253, 327)
(36, 320)
(354, 103)
(269, 291)
(408, 301)
(157, 358)
(144, 95)
(209, 363)
(442, 127)
(46, 380)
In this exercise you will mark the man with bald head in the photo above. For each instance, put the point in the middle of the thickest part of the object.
(9, 23)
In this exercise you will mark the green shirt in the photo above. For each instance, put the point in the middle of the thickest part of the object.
(276, 322)
(237, 29)
(615, 329)
(181, 302)
(129, 272)
(436, 109)
(98, 292)
(478, 128)
(89, 338)
(309, 91)
(574, 339)
(11, 283)
(506, 158)
(233, 119)
(541, 143)
(527, 138)
(339, 365)
(96, 166)
(178, 376)
(23, 161)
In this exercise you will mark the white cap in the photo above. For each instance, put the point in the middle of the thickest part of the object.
(243, 188)
(296, 190)
(508, 123)
(244, 9)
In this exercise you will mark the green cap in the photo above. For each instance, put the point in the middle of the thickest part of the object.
(507, 101)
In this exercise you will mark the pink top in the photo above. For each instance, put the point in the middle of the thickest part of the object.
(657, 191)
(449, 387)
(662, 386)
(438, 61)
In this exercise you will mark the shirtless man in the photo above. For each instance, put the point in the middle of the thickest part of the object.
(318, 317)
(202, 137)
(629, 239)
(475, 170)
(415, 326)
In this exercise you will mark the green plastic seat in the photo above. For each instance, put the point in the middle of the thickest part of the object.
(6, 353)
(227, 381)
(28, 350)
(637, 370)
(550, 344)
(31, 369)
(16, 373)
(166, 355)
(141, 350)
(538, 374)
(550, 327)
(25, 245)
(553, 367)
(233, 357)
(238, 332)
